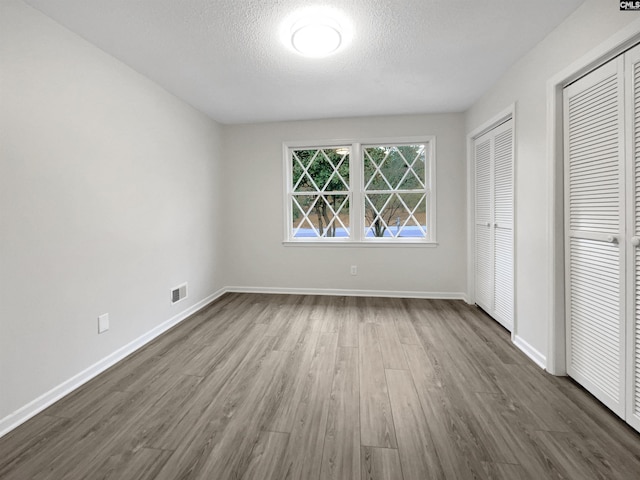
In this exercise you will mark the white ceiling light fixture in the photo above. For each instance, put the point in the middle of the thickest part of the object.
(316, 36)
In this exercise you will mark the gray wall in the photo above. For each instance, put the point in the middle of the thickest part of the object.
(255, 255)
(108, 191)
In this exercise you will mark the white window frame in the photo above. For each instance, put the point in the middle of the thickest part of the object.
(357, 193)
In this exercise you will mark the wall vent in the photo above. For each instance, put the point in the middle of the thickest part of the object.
(178, 293)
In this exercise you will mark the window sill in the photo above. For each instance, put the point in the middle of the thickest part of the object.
(353, 244)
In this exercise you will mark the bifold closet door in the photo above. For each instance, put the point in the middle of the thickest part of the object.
(494, 277)
(503, 258)
(632, 91)
(484, 241)
(595, 233)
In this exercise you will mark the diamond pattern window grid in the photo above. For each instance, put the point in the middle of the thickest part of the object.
(395, 188)
(320, 198)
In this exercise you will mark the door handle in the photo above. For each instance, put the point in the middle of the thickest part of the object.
(635, 241)
(612, 239)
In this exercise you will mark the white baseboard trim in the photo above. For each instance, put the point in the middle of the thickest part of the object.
(530, 352)
(349, 292)
(34, 407)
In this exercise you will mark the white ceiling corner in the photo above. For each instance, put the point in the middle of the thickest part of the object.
(225, 57)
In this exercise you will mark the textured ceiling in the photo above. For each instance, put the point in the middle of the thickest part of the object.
(226, 57)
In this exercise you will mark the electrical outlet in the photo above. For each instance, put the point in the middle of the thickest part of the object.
(103, 323)
(354, 269)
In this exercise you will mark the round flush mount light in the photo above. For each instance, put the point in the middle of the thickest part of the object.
(316, 31)
(316, 37)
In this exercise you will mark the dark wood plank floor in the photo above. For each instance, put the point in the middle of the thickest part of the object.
(302, 387)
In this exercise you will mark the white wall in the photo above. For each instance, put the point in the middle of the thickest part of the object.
(108, 194)
(525, 84)
(255, 255)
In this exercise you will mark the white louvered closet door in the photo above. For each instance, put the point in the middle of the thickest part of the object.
(594, 216)
(632, 92)
(483, 150)
(494, 278)
(503, 224)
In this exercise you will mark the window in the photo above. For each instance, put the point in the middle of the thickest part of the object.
(320, 192)
(364, 192)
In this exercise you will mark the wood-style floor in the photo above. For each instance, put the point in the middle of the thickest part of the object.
(302, 387)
